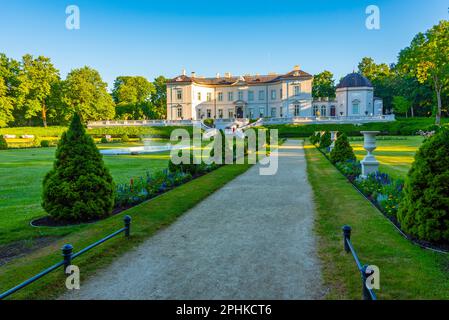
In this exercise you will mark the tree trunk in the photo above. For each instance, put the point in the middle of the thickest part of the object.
(438, 91)
(412, 111)
(44, 115)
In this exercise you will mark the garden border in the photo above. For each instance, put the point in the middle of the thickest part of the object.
(402, 233)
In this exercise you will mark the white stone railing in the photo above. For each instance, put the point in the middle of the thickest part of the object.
(242, 122)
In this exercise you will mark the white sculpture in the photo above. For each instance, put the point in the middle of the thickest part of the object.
(369, 163)
(333, 138)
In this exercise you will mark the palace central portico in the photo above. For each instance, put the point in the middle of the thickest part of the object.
(272, 96)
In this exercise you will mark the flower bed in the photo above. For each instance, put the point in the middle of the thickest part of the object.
(384, 192)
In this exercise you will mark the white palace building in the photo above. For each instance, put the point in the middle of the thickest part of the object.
(272, 96)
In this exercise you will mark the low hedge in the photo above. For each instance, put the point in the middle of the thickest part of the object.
(401, 127)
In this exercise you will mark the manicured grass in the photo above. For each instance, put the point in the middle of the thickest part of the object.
(406, 271)
(22, 173)
(147, 219)
(395, 156)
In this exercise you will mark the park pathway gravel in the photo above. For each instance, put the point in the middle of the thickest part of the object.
(252, 239)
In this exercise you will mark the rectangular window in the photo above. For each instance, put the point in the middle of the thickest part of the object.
(231, 114)
(297, 90)
(281, 114)
(251, 113)
(240, 95)
(199, 96)
(230, 96)
(209, 113)
(179, 112)
(220, 113)
(261, 95)
(355, 108)
(273, 94)
(250, 95)
(261, 112)
(179, 94)
(220, 96)
(273, 112)
(297, 110)
(280, 93)
(209, 96)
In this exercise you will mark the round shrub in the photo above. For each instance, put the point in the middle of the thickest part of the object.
(424, 210)
(45, 143)
(125, 138)
(3, 143)
(342, 151)
(104, 140)
(325, 140)
(79, 188)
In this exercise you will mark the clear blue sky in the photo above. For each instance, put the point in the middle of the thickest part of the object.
(149, 38)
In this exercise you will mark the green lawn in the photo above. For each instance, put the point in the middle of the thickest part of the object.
(22, 172)
(395, 156)
(406, 271)
(148, 218)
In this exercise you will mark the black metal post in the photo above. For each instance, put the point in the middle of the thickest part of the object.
(67, 254)
(346, 237)
(127, 221)
(365, 274)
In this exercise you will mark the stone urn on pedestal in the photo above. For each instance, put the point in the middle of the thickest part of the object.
(369, 163)
(333, 139)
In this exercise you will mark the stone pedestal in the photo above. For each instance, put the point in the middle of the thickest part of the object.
(369, 163)
(333, 138)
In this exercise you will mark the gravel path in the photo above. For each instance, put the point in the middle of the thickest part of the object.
(252, 239)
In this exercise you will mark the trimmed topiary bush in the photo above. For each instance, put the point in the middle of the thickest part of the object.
(424, 210)
(125, 138)
(342, 151)
(325, 140)
(45, 144)
(79, 188)
(3, 143)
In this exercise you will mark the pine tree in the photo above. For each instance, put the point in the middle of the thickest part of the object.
(342, 150)
(424, 210)
(79, 188)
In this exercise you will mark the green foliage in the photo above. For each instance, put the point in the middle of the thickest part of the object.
(342, 150)
(3, 143)
(315, 138)
(79, 187)
(45, 143)
(104, 140)
(85, 92)
(209, 122)
(124, 138)
(323, 85)
(401, 105)
(325, 140)
(427, 59)
(132, 90)
(159, 99)
(154, 132)
(424, 212)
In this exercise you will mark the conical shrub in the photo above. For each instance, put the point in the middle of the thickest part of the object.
(79, 188)
(342, 150)
(424, 210)
(3, 143)
(325, 140)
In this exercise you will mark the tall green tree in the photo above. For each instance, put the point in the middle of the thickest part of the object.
(85, 92)
(323, 85)
(427, 59)
(132, 90)
(401, 105)
(9, 83)
(36, 79)
(159, 99)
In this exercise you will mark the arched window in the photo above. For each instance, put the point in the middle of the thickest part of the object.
(323, 111)
(333, 111)
(315, 110)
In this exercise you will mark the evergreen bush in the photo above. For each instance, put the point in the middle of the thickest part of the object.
(3, 143)
(424, 210)
(342, 151)
(79, 188)
(325, 140)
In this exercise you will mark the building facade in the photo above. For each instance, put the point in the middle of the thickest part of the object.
(265, 96)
